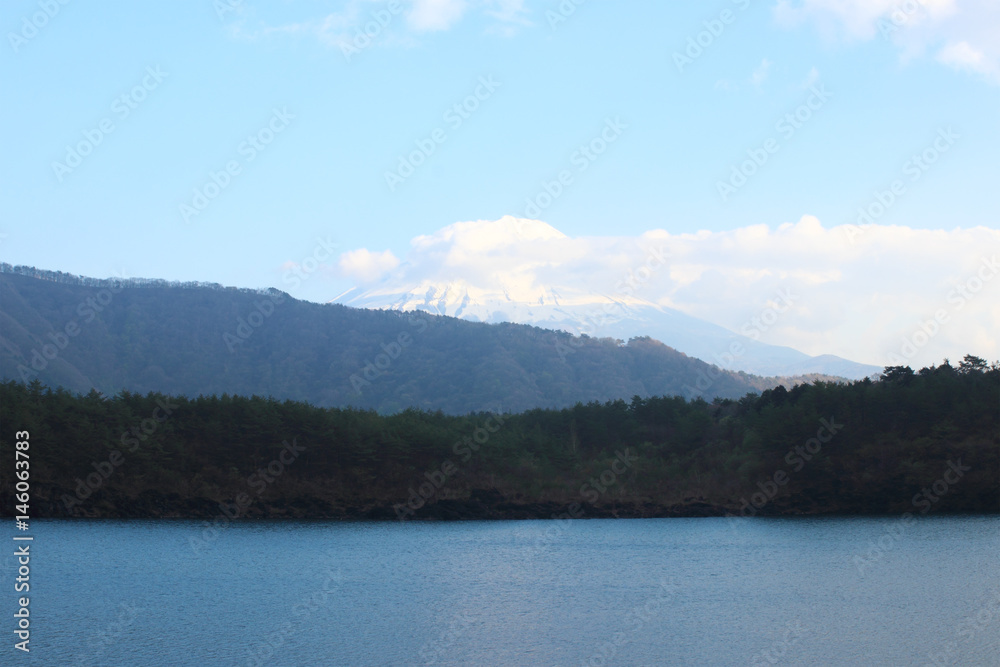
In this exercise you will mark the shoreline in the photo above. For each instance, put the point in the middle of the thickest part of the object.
(472, 510)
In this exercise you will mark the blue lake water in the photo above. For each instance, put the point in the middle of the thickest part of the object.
(831, 591)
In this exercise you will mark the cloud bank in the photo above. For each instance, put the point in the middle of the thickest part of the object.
(875, 294)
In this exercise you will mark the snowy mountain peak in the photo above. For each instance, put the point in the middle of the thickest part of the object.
(527, 272)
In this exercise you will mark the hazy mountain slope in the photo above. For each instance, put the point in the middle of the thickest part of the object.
(694, 337)
(201, 339)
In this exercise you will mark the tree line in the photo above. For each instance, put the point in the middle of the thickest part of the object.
(871, 446)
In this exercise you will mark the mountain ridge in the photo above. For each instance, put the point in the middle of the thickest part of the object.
(196, 338)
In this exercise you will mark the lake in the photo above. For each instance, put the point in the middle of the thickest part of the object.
(831, 591)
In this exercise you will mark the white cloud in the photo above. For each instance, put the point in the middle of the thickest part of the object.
(858, 19)
(963, 34)
(369, 21)
(858, 300)
(366, 266)
(858, 292)
(430, 15)
(510, 15)
(508, 11)
(962, 55)
(336, 29)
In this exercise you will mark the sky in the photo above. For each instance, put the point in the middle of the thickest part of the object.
(238, 142)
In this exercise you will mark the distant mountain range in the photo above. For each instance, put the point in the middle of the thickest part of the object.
(196, 338)
(539, 295)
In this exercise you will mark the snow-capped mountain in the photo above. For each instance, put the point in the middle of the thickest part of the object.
(527, 272)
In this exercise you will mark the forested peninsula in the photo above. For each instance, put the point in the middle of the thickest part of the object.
(919, 442)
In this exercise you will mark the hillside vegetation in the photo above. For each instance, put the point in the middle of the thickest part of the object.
(193, 338)
(912, 442)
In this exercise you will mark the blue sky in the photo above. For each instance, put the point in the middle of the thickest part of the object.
(224, 72)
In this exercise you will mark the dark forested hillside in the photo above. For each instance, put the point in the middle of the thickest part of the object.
(191, 339)
(913, 442)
